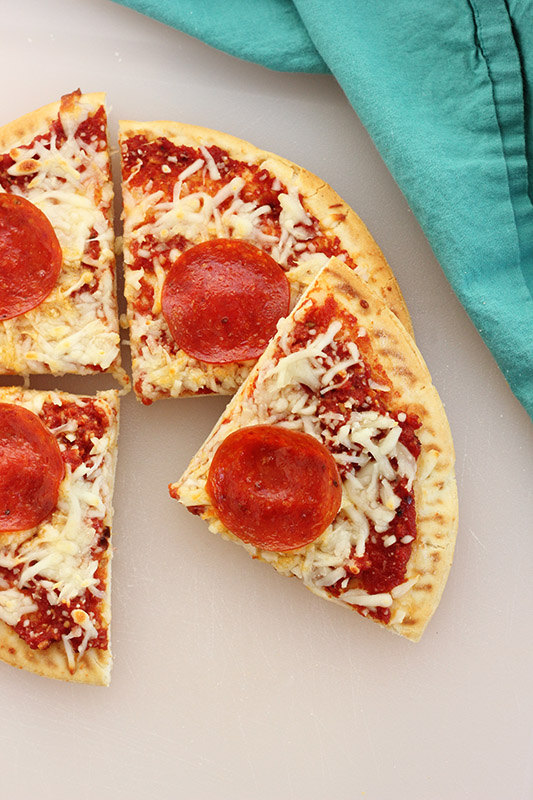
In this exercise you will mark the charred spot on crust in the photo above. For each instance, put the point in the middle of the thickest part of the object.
(103, 541)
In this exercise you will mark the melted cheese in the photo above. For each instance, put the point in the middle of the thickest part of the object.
(199, 216)
(68, 334)
(14, 605)
(85, 625)
(57, 555)
(60, 552)
(379, 461)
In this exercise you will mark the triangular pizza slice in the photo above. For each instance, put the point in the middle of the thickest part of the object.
(57, 466)
(58, 305)
(220, 239)
(334, 462)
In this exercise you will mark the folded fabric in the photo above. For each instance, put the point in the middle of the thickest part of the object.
(445, 91)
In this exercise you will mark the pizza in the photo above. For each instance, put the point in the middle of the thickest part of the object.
(57, 465)
(220, 240)
(58, 305)
(244, 274)
(334, 461)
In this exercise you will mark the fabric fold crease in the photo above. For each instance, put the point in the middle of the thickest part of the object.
(445, 91)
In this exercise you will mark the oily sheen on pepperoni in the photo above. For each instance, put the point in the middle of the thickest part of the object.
(31, 469)
(30, 256)
(274, 488)
(222, 300)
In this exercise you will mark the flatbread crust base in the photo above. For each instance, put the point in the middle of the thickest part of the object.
(94, 667)
(333, 213)
(24, 129)
(413, 393)
(17, 133)
(181, 375)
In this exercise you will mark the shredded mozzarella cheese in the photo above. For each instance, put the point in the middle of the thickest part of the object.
(58, 555)
(377, 461)
(70, 184)
(197, 216)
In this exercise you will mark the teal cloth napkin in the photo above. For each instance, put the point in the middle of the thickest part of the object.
(445, 91)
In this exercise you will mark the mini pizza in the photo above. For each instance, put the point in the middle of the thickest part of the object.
(220, 239)
(57, 465)
(58, 306)
(334, 461)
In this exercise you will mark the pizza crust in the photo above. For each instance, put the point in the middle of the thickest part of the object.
(158, 374)
(75, 328)
(94, 666)
(435, 485)
(322, 201)
(36, 123)
(413, 392)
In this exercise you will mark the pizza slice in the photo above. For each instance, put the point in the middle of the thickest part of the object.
(57, 465)
(58, 305)
(334, 462)
(220, 239)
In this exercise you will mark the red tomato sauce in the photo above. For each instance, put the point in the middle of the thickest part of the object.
(381, 568)
(143, 163)
(91, 132)
(92, 422)
(49, 623)
(142, 167)
(91, 135)
(40, 628)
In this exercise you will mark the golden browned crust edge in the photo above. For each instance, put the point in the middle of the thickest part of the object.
(23, 129)
(413, 392)
(94, 667)
(359, 242)
(435, 492)
(333, 213)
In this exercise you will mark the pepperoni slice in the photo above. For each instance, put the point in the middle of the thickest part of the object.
(31, 469)
(30, 256)
(222, 300)
(274, 488)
